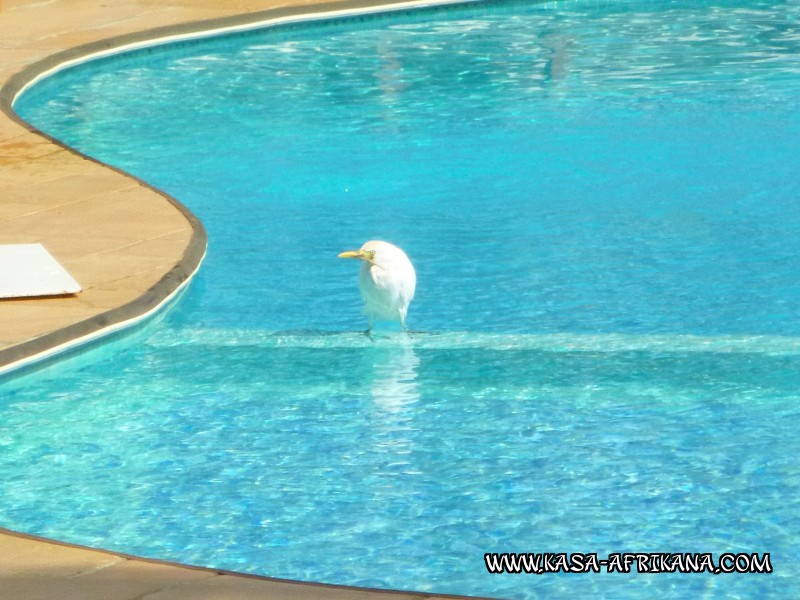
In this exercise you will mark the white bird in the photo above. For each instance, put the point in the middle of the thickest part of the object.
(387, 281)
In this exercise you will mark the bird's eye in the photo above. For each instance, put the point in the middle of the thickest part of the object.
(372, 254)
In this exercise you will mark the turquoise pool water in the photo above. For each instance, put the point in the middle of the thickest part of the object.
(601, 203)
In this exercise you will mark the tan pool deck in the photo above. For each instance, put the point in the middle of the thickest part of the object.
(128, 245)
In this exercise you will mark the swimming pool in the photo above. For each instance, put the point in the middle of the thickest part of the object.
(599, 200)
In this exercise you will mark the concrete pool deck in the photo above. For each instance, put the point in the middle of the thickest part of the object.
(129, 246)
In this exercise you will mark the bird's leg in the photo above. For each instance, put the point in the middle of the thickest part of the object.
(368, 332)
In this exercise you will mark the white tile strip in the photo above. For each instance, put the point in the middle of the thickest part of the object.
(28, 270)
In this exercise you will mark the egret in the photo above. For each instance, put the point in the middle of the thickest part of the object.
(387, 281)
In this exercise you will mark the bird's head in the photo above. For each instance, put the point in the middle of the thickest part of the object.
(387, 257)
(362, 254)
(376, 252)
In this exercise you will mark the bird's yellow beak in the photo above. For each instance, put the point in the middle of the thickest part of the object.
(354, 254)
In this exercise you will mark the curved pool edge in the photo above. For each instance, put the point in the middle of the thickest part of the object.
(156, 297)
(152, 300)
(34, 566)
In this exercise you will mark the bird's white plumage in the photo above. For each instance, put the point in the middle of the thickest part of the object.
(387, 281)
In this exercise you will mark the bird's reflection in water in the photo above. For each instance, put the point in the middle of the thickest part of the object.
(394, 371)
(395, 390)
(557, 67)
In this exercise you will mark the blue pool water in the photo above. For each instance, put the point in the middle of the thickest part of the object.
(601, 200)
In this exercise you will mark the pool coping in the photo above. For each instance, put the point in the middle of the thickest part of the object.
(181, 580)
(173, 580)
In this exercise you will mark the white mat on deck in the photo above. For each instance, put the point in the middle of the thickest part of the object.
(29, 270)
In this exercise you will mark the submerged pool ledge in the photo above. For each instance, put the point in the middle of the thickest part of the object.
(130, 246)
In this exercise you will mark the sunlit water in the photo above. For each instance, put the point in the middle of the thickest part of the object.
(601, 200)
